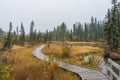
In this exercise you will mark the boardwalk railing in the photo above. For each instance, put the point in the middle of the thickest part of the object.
(112, 70)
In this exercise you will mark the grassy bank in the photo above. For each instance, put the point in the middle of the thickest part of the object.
(27, 67)
(75, 52)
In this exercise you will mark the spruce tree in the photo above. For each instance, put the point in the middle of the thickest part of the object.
(86, 32)
(8, 39)
(31, 34)
(111, 29)
(22, 35)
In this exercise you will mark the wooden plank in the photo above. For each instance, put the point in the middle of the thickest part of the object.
(113, 73)
(114, 64)
(97, 79)
(92, 74)
(119, 73)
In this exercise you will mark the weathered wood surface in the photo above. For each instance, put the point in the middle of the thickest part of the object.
(109, 71)
(84, 73)
(114, 64)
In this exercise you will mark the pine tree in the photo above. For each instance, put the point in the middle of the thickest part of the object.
(17, 30)
(14, 38)
(80, 32)
(22, 35)
(63, 33)
(31, 34)
(46, 36)
(86, 32)
(112, 28)
(39, 36)
(71, 35)
(17, 35)
(8, 39)
(35, 36)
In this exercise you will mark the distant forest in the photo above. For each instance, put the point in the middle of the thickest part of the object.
(107, 30)
(92, 31)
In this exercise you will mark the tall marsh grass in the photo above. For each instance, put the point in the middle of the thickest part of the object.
(27, 67)
(75, 54)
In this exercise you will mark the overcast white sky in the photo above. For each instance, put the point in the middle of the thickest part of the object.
(47, 14)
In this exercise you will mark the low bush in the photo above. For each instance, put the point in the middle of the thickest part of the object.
(5, 71)
(65, 52)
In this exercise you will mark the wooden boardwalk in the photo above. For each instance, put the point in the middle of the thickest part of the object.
(84, 73)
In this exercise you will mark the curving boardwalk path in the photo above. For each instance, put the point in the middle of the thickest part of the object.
(84, 73)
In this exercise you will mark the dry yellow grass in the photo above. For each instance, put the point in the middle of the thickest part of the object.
(57, 49)
(28, 67)
(54, 49)
(76, 53)
(78, 50)
(17, 47)
(82, 42)
(0, 44)
(86, 43)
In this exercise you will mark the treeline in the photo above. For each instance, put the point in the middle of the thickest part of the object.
(19, 37)
(112, 26)
(92, 31)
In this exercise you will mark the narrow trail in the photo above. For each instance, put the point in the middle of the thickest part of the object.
(84, 73)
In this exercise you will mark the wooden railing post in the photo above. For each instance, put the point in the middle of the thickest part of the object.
(112, 73)
(111, 76)
(119, 72)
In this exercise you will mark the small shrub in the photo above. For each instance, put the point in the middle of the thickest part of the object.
(3, 59)
(28, 45)
(5, 71)
(48, 44)
(65, 53)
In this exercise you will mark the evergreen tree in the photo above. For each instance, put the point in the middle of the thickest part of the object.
(86, 31)
(31, 34)
(8, 39)
(17, 30)
(71, 35)
(14, 38)
(80, 32)
(112, 27)
(22, 35)
(39, 36)
(31, 30)
(47, 36)
(17, 35)
(63, 31)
